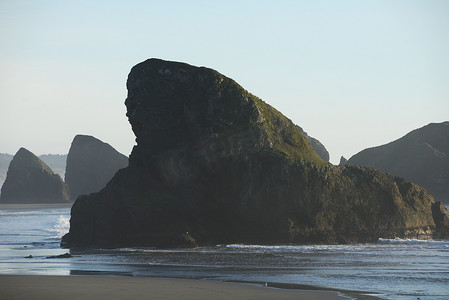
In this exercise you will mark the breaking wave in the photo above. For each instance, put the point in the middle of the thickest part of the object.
(61, 227)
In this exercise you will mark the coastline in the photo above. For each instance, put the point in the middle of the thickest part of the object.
(103, 287)
(34, 205)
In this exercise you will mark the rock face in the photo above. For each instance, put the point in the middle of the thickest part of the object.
(343, 161)
(317, 146)
(91, 164)
(214, 164)
(30, 180)
(56, 162)
(5, 160)
(421, 156)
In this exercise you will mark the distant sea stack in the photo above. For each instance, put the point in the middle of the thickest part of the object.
(421, 156)
(214, 164)
(30, 180)
(91, 163)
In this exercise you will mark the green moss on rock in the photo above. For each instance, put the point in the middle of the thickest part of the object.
(215, 161)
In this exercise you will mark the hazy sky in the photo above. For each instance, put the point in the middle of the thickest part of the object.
(353, 74)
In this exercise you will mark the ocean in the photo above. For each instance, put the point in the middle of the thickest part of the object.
(392, 269)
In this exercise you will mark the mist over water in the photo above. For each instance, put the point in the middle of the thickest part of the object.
(395, 269)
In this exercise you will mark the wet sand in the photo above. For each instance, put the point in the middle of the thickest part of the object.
(96, 287)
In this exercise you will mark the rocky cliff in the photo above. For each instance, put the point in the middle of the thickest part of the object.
(421, 156)
(215, 164)
(91, 163)
(30, 180)
(5, 160)
(316, 145)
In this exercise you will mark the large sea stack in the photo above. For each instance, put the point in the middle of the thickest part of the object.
(421, 156)
(30, 180)
(215, 164)
(91, 163)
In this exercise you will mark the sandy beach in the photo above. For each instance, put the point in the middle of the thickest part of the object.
(96, 287)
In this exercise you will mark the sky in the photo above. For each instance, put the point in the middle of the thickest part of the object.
(353, 74)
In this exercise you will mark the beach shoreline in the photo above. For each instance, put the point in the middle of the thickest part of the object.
(115, 287)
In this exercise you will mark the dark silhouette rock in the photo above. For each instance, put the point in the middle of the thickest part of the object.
(421, 156)
(219, 163)
(343, 161)
(30, 180)
(91, 163)
(65, 255)
(317, 146)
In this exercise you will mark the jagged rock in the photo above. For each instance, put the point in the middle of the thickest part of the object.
(343, 161)
(91, 163)
(219, 163)
(317, 146)
(421, 156)
(30, 180)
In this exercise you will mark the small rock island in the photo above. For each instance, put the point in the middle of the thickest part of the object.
(30, 180)
(215, 164)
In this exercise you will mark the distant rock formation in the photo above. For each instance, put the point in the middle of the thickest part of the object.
(317, 146)
(343, 161)
(5, 159)
(214, 164)
(56, 162)
(30, 180)
(421, 156)
(91, 163)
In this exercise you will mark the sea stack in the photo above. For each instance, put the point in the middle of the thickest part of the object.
(91, 163)
(214, 164)
(421, 156)
(30, 180)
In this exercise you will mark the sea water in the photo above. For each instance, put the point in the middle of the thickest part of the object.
(393, 269)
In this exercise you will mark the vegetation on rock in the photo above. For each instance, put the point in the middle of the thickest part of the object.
(214, 164)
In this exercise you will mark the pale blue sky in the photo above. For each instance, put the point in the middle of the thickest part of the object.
(353, 74)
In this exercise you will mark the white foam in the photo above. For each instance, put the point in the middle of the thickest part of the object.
(61, 227)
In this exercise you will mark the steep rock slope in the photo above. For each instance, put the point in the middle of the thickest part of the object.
(30, 180)
(91, 163)
(316, 145)
(421, 156)
(215, 164)
(5, 160)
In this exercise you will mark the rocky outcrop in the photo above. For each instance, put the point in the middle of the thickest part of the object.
(5, 159)
(56, 162)
(91, 163)
(343, 161)
(30, 180)
(421, 156)
(215, 164)
(317, 146)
